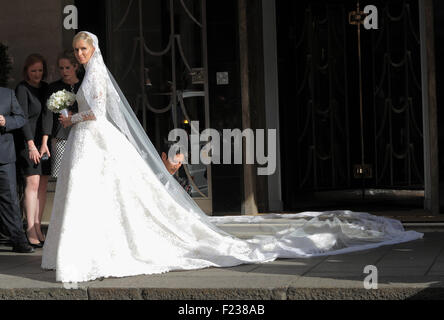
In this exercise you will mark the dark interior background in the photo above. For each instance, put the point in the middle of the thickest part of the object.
(225, 104)
(439, 55)
(330, 48)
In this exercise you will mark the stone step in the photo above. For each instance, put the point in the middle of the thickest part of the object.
(424, 227)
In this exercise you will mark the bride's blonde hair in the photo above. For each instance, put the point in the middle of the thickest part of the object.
(83, 36)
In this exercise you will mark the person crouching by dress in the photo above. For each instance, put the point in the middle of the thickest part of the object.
(32, 144)
(68, 68)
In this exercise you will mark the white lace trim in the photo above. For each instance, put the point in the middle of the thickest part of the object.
(80, 117)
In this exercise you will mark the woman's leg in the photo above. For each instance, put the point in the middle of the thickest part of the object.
(41, 198)
(31, 206)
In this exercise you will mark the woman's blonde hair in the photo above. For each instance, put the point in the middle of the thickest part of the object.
(83, 36)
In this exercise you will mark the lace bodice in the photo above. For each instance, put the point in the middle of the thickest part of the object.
(92, 95)
(81, 101)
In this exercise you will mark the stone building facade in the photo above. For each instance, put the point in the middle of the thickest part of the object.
(267, 64)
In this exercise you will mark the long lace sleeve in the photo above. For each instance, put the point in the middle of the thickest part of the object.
(95, 95)
(83, 116)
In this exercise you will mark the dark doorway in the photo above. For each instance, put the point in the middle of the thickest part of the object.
(438, 8)
(324, 145)
(92, 18)
(225, 99)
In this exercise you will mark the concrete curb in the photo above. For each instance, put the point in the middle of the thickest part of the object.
(224, 294)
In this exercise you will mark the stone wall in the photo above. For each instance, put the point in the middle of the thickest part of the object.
(31, 27)
(35, 27)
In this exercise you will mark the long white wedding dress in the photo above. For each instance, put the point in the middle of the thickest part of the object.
(113, 216)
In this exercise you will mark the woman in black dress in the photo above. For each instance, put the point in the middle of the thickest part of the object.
(32, 144)
(68, 68)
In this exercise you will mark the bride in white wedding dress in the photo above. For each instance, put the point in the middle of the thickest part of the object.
(117, 212)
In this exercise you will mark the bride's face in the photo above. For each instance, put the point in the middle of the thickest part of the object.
(83, 51)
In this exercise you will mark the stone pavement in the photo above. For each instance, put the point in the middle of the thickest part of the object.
(412, 270)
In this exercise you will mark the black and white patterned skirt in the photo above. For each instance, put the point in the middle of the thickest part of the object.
(57, 150)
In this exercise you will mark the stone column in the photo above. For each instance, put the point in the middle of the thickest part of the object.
(430, 122)
(272, 97)
(67, 35)
(249, 205)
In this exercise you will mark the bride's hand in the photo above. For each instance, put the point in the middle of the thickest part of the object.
(65, 121)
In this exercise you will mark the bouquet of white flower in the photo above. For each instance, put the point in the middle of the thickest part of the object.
(59, 102)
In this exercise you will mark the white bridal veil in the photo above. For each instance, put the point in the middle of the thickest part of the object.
(123, 117)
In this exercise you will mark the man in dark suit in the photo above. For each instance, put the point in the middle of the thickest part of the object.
(11, 118)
